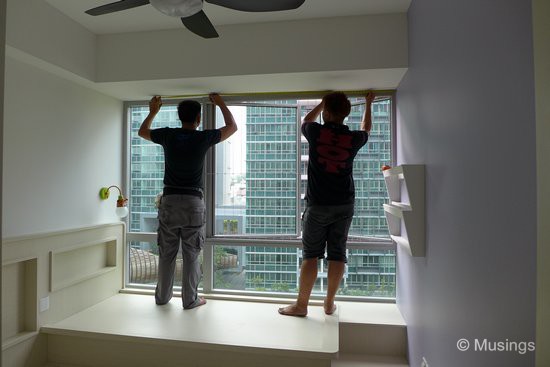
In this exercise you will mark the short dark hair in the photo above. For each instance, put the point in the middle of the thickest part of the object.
(188, 111)
(337, 104)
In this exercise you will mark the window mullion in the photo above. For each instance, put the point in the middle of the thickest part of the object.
(298, 170)
(208, 251)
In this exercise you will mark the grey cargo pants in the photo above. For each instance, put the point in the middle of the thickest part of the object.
(182, 220)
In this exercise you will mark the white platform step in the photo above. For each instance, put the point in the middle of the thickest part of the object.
(345, 360)
(130, 330)
(372, 329)
(361, 360)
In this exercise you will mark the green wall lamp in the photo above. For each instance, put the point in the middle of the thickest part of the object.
(121, 208)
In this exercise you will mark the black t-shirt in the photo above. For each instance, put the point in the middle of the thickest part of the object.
(332, 148)
(184, 152)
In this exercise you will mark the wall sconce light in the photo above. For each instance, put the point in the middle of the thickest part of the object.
(121, 208)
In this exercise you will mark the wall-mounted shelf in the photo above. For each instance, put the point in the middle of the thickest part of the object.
(405, 213)
(19, 301)
(75, 264)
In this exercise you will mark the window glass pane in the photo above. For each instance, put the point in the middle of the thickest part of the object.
(277, 269)
(370, 189)
(147, 166)
(256, 268)
(256, 173)
(369, 273)
(144, 258)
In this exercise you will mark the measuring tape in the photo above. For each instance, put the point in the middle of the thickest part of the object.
(258, 94)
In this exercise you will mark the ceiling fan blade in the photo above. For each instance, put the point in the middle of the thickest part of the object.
(200, 24)
(116, 6)
(258, 5)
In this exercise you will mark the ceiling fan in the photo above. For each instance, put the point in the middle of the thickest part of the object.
(191, 13)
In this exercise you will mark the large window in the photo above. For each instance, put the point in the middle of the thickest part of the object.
(256, 176)
(257, 181)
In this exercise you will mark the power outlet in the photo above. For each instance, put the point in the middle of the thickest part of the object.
(424, 362)
(44, 304)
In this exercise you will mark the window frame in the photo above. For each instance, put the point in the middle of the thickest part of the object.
(208, 121)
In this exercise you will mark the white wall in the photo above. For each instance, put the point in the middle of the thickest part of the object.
(330, 44)
(62, 143)
(37, 28)
(541, 16)
(466, 109)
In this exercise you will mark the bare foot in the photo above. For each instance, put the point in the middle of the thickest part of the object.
(329, 309)
(200, 301)
(293, 310)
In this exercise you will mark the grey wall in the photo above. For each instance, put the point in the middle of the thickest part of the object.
(541, 31)
(466, 110)
(2, 57)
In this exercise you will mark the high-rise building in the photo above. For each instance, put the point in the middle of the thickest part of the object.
(146, 168)
(271, 180)
(146, 161)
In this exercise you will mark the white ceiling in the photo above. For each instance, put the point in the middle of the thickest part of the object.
(146, 18)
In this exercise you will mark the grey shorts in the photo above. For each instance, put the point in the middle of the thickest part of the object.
(326, 226)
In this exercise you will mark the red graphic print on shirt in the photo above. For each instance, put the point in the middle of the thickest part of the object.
(334, 150)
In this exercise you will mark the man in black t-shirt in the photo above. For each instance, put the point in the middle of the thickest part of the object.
(330, 195)
(182, 214)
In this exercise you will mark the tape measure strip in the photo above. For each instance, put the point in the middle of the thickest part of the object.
(255, 94)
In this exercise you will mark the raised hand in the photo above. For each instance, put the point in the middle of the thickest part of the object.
(154, 104)
(369, 98)
(216, 99)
